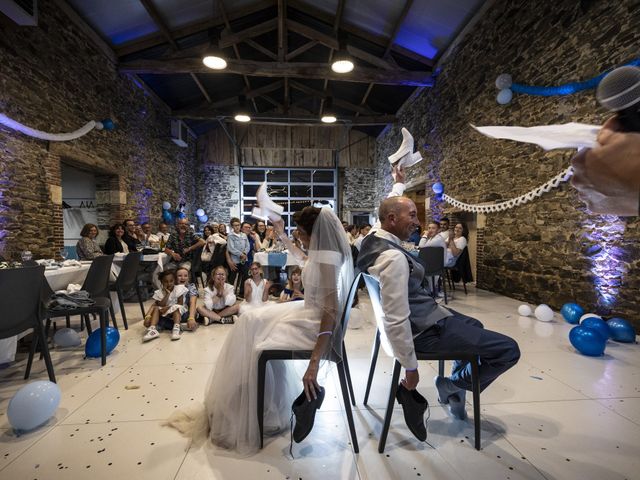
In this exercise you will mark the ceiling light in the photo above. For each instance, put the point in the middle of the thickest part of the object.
(214, 61)
(242, 113)
(328, 114)
(342, 62)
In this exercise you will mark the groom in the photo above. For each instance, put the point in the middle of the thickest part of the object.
(414, 322)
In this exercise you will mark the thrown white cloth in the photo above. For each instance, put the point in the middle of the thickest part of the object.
(549, 137)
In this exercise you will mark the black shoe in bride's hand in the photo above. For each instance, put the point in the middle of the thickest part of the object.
(305, 413)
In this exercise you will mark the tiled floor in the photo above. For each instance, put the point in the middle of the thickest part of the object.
(555, 415)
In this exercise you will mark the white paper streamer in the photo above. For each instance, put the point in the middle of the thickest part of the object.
(53, 137)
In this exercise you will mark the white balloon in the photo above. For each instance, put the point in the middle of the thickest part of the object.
(544, 313)
(524, 310)
(504, 96)
(503, 81)
(586, 315)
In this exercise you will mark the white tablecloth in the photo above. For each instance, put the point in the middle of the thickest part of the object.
(263, 259)
(59, 279)
(160, 258)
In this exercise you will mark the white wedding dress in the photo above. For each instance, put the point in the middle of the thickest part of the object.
(231, 394)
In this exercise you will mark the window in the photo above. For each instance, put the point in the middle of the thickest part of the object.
(293, 189)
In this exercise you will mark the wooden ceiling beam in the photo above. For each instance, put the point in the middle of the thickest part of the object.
(300, 50)
(336, 101)
(274, 118)
(336, 29)
(261, 49)
(155, 39)
(230, 39)
(357, 31)
(157, 19)
(277, 69)
(282, 30)
(272, 101)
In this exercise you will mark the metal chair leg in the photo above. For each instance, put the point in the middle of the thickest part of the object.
(392, 399)
(372, 368)
(347, 407)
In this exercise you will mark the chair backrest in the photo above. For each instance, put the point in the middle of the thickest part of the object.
(196, 260)
(346, 313)
(128, 275)
(72, 253)
(97, 281)
(20, 301)
(462, 268)
(433, 259)
(373, 287)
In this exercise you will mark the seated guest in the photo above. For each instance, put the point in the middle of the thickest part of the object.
(207, 251)
(254, 240)
(363, 230)
(444, 228)
(294, 289)
(163, 234)
(430, 238)
(115, 242)
(148, 239)
(352, 233)
(130, 236)
(189, 299)
(237, 254)
(456, 244)
(219, 299)
(261, 229)
(168, 308)
(87, 247)
(222, 230)
(271, 242)
(181, 245)
(256, 289)
(412, 320)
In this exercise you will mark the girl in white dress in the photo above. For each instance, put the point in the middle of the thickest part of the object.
(314, 324)
(256, 289)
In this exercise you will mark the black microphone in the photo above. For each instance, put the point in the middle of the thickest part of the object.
(619, 92)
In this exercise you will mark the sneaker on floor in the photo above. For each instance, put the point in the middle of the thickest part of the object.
(206, 321)
(175, 332)
(151, 334)
(228, 320)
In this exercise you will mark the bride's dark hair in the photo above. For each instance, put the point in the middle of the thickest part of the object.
(306, 218)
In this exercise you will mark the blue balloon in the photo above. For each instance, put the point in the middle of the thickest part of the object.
(200, 212)
(166, 206)
(438, 188)
(108, 124)
(93, 348)
(621, 330)
(33, 405)
(597, 324)
(67, 337)
(167, 216)
(181, 215)
(587, 341)
(572, 312)
(203, 218)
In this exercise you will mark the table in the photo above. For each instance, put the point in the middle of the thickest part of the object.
(60, 278)
(263, 259)
(160, 258)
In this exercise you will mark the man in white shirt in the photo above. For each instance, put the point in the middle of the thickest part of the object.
(444, 228)
(414, 322)
(430, 238)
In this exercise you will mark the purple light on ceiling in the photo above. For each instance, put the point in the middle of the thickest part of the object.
(606, 256)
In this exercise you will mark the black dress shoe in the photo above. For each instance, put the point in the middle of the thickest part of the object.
(305, 413)
(413, 405)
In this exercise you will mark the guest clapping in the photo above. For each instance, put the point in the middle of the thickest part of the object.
(219, 299)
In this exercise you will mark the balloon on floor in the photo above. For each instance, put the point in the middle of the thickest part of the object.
(66, 337)
(524, 310)
(587, 341)
(596, 324)
(33, 405)
(621, 330)
(572, 312)
(93, 348)
(543, 313)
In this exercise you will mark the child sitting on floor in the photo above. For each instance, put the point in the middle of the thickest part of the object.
(219, 299)
(294, 289)
(256, 289)
(168, 308)
(189, 299)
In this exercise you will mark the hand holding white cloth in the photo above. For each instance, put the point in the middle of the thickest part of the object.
(549, 137)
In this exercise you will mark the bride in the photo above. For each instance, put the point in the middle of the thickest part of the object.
(231, 394)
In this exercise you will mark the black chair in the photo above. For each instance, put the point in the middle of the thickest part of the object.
(127, 281)
(373, 287)
(341, 362)
(20, 307)
(196, 267)
(97, 284)
(433, 261)
(461, 271)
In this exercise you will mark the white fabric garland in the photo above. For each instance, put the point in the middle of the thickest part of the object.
(563, 176)
(53, 137)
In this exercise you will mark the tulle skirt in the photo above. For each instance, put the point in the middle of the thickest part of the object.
(231, 394)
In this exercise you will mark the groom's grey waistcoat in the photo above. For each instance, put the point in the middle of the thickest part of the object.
(425, 312)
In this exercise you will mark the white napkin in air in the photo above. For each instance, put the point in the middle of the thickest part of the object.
(549, 137)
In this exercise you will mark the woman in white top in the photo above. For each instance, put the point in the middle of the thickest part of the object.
(256, 289)
(456, 244)
(219, 299)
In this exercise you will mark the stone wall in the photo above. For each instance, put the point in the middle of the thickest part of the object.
(218, 191)
(551, 250)
(358, 190)
(54, 79)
